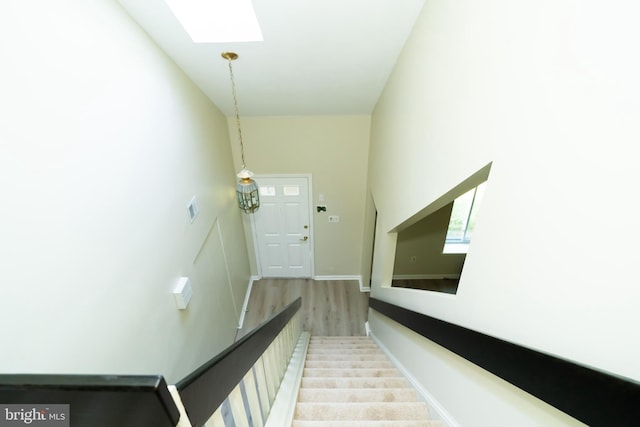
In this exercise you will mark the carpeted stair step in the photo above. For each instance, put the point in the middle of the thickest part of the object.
(357, 395)
(336, 341)
(398, 382)
(347, 411)
(342, 373)
(386, 423)
(349, 364)
(402, 423)
(349, 382)
(350, 350)
(346, 357)
(343, 346)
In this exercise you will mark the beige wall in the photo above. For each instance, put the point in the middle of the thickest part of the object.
(334, 149)
(547, 92)
(424, 240)
(103, 143)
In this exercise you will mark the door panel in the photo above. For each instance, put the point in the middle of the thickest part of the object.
(282, 227)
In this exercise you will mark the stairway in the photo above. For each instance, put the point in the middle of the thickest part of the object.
(349, 382)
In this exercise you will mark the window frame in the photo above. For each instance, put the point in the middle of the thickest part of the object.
(461, 245)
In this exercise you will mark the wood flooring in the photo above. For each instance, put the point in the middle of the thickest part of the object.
(329, 307)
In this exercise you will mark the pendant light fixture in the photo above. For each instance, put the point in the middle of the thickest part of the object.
(247, 189)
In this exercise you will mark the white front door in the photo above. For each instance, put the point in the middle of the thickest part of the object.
(283, 228)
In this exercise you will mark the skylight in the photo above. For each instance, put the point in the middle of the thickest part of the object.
(217, 21)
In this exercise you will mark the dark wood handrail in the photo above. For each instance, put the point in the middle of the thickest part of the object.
(593, 397)
(204, 390)
(96, 400)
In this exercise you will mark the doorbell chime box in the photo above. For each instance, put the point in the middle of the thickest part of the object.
(182, 293)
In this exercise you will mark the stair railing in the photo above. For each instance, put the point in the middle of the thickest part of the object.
(241, 383)
(87, 400)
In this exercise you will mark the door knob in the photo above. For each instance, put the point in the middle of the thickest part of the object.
(305, 238)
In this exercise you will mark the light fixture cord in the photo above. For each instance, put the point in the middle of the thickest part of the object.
(235, 104)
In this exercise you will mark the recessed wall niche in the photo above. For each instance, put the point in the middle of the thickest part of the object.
(420, 261)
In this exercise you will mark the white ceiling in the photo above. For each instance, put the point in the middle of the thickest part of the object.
(318, 56)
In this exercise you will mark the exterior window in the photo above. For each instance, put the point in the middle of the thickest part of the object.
(463, 221)
(267, 191)
(291, 190)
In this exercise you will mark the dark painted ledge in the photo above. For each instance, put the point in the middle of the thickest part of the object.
(594, 397)
(97, 400)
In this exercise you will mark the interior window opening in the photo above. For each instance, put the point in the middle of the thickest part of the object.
(431, 251)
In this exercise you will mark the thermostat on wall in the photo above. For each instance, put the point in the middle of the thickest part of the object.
(182, 293)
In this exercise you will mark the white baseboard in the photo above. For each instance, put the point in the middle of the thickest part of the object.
(337, 277)
(246, 300)
(437, 411)
(348, 277)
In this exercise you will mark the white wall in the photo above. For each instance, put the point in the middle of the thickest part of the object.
(103, 143)
(548, 92)
(334, 149)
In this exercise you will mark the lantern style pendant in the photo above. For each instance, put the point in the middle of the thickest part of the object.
(247, 189)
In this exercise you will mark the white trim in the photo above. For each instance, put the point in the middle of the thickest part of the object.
(246, 300)
(437, 411)
(455, 248)
(337, 277)
(226, 269)
(284, 405)
(256, 249)
(362, 287)
(346, 277)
